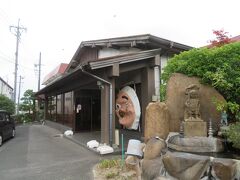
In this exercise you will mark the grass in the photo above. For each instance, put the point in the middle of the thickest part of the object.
(109, 163)
(112, 169)
(111, 175)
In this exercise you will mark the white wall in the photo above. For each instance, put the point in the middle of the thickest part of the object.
(108, 52)
(5, 89)
(164, 59)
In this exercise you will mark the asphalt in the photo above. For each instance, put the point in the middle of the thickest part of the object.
(39, 152)
(82, 138)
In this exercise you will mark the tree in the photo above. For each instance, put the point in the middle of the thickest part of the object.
(27, 104)
(7, 104)
(222, 38)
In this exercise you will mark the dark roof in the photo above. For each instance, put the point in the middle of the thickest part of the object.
(145, 40)
(77, 72)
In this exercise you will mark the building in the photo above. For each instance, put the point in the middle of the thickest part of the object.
(6, 89)
(96, 73)
(55, 74)
(235, 39)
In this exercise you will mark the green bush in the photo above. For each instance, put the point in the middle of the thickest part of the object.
(6, 104)
(218, 67)
(233, 134)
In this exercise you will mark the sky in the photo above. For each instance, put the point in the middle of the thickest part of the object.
(56, 28)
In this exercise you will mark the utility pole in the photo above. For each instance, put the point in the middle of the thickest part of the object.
(17, 32)
(39, 70)
(19, 91)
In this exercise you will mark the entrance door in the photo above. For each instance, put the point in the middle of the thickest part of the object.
(88, 114)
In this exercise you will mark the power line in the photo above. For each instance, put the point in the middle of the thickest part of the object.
(18, 30)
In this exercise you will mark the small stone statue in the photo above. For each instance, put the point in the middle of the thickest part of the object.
(224, 120)
(192, 104)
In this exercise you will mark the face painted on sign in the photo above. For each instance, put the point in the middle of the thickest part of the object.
(125, 109)
(128, 108)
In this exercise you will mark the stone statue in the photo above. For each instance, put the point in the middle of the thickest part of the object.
(192, 104)
(224, 120)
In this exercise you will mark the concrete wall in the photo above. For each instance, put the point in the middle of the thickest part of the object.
(5, 89)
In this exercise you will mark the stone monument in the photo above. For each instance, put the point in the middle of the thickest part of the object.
(194, 128)
(193, 124)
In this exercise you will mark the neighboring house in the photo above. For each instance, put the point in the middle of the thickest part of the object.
(6, 89)
(235, 39)
(55, 74)
(96, 73)
(232, 40)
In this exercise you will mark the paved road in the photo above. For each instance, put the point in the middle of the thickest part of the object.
(37, 154)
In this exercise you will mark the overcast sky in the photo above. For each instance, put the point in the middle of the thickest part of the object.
(56, 27)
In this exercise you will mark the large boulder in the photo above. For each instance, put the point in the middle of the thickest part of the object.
(176, 98)
(224, 168)
(185, 166)
(195, 144)
(156, 120)
(152, 166)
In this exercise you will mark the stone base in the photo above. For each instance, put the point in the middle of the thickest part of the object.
(195, 144)
(195, 128)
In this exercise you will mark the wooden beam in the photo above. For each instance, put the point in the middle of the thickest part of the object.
(114, 70)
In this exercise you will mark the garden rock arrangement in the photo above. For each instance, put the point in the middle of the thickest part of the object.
(175, 100)
(188, 104)
(160, 163)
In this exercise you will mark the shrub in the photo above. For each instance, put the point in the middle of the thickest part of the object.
(233, 134)
(7, 104)
(218, 67)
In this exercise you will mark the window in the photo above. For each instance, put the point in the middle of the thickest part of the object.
(2, 117)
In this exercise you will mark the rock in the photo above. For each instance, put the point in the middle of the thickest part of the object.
(175, 100)
(133, 162)
(152, 169)
(185, 166)
(156, 120)
(195, 128)
(153, 148)
(224, 168)
(152, 166)
(195, 144)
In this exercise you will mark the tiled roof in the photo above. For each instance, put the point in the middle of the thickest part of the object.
(59, 70)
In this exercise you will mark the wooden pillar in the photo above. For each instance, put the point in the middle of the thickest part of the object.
(147, 90)
(113, 109)
(111, 73)
(74, 111)
(105, 114)
(45, 108)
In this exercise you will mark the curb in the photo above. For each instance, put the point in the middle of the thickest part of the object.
(115, 152)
